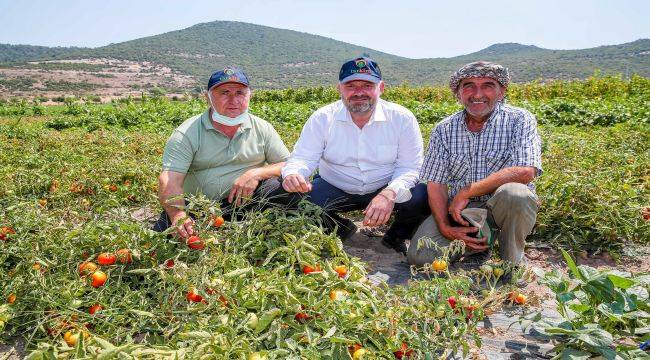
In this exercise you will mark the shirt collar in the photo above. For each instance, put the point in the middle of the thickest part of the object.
(342, 114)
(207, 122)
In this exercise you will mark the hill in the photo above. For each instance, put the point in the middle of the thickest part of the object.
(272, 57)
(277, 58)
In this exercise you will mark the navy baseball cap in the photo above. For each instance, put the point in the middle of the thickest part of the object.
(230, 74)
(361, 68)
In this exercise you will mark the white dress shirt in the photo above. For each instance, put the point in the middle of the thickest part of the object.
(387, 151)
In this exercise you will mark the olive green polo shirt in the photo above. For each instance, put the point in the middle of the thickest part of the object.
(212, 161)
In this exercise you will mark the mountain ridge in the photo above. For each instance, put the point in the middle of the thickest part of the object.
(279, 58)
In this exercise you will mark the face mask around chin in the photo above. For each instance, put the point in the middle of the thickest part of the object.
(225, 120)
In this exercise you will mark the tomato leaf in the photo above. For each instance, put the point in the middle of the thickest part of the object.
(266, 319)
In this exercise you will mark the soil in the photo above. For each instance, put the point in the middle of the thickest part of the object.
(502, 336)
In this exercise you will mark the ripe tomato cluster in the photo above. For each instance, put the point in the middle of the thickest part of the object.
(469, 305)
(98, 278)
(193, 296)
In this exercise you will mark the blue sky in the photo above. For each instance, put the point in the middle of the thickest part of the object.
(416, 29)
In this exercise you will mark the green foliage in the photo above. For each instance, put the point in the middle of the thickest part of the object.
(73, 176)
(595, 186)
(603, 313)
(22, 53)
(249, 276)
(69, 86)
(595, 148)
(65, 66)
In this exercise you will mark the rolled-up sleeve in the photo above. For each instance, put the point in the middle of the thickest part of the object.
(178, 153)
(409, 160)
(309, 148)
(435, 167)
(526, 149)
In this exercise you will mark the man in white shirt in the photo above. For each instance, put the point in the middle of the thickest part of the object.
(368, 153)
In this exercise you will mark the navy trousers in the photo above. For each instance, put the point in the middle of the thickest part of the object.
(408, 215)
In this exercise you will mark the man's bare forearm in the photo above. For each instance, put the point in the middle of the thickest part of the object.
(518, 174)
(170, 193)
(268, 171)
(438, 199)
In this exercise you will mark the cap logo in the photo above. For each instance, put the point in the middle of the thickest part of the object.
(228, 71)
(360, 63)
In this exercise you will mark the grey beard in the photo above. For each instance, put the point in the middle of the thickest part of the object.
(360, 108)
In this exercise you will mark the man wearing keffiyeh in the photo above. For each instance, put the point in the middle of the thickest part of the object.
(479, 168)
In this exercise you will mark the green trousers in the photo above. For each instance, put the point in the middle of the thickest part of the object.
(513, 208)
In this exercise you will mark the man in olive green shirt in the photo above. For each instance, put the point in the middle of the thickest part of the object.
(225, 153)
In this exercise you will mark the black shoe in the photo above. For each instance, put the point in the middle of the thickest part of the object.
(346, 229)
(515, 276)
(476, 259)
(394, 243)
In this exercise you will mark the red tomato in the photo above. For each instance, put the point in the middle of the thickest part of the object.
(124, 256)
(87, 268)
(521, 299)
(6, 230)
(194, 297)
(195, 243)
(98, 278)
(95, 308)
(307, 269)
(341, 270)
(217, 221)
(106, 259)
(169, 263)
(403, 351)
(452, 302)
(302, 317)
(353, 348)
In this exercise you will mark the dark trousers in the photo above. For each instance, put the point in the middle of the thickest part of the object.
(408, 215)
(268, 193)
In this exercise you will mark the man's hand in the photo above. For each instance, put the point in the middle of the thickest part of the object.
(184, 224)
(296, 183)
(244, 187)
(458, 204)
(460, 233)
(380, 208)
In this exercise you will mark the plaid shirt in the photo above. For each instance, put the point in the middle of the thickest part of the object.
(458, 157)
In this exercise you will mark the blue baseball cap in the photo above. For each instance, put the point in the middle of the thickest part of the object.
(230, 74)
(361, 68)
